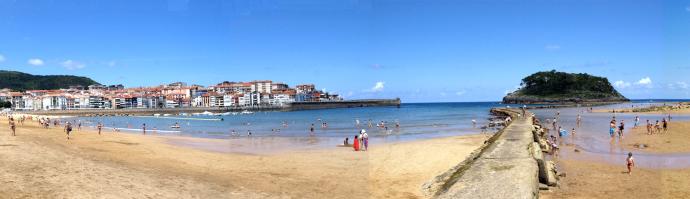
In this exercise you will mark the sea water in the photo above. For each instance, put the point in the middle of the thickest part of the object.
(415, 120)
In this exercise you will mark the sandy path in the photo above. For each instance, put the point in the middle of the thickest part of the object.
(41, 163)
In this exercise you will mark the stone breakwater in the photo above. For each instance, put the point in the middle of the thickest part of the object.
(511, 164)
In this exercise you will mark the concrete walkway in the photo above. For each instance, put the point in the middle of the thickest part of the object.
(506, 169)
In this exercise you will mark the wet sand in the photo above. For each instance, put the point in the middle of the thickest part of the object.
(42, 163)
(675, 140)
(598, 169)
(676, 108)
(586, 179)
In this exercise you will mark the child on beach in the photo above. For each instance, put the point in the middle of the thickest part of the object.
(612, 128)
(630, 161)
(355, 144)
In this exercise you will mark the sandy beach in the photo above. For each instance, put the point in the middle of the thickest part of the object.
(586, 179)
(675, 140)
(42, 163)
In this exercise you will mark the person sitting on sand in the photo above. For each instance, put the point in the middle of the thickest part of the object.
(355, 145)
(630, 161)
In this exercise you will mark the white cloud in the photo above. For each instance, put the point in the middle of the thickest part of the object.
(378, 87)
(621, 84)
(35, 62)
(460, 93)
(72, 65)
(2, 58)
(645, 82)
(552, 47)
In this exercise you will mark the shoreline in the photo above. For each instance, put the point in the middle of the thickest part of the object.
(388, 170)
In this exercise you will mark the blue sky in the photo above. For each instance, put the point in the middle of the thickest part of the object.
(421, 51)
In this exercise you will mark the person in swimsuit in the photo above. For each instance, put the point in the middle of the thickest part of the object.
(612, 128)
(68, 129)
(630, 162)
(13, 126)
(99, 127)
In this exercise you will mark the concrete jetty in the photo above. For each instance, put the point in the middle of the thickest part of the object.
(505, 169)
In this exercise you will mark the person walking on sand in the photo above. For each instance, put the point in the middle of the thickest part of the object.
(630, 162)
(143, 128)
(664, 123)
(13, 127)
(99, 127)
(68, 129)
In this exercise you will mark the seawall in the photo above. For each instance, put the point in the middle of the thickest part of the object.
(292, 107)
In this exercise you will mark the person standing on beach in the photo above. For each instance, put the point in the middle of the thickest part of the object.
(612, 128)
(637, 121)
(365, 138)
(311, 129)
(579, 119)
(143, 127)
(620, 129)
(99, 127)
(664, 124)
(355, 144)
(13, 126)
(630, 162)
(68, 129)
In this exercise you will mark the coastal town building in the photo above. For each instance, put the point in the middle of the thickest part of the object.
(260, 93)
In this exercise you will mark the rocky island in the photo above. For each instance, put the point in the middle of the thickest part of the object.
(553, 87)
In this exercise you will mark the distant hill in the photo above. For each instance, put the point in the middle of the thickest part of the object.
(553, 87)
(19, 81)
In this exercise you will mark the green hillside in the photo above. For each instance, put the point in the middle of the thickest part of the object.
(560, 87)
(19, 81)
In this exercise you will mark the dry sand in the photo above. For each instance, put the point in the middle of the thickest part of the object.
(675, 140)
(41, 163)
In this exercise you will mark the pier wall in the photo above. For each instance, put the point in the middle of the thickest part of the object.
(505, 167)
